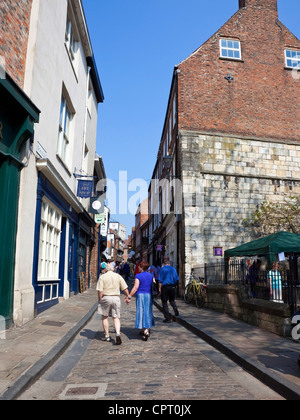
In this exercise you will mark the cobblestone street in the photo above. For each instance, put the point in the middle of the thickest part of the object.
(173, 364)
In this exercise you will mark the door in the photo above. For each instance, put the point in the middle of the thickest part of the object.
(81, 257)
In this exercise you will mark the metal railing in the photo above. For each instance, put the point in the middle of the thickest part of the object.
(283, 288)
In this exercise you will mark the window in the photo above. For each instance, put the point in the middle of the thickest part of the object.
(50, 230)
(174, 111)
(230, 49)
(292, 59)
(70, 39)
(64, 131)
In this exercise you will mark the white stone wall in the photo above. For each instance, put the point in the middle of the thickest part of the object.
(224, 180)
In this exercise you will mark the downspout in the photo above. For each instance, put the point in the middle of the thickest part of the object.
(86, 113)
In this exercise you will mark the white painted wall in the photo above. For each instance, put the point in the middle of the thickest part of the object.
(49, 71)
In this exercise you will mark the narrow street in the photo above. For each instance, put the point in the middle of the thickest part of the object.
(174, 364)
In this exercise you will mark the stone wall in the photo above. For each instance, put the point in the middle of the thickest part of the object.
(231, 300)
(224, 180)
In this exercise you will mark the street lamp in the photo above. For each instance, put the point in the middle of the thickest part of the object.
(167, 161)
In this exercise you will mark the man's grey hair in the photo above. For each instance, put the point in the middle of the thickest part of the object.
(110, 267)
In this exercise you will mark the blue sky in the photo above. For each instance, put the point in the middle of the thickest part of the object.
(136, 45)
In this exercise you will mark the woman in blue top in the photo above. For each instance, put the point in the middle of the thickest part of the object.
(144, 302)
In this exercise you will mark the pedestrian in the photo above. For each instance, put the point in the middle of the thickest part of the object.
(144, 302)
(275, 283)
(126, 272)
(103, 267)
(137, 268)
(156, 274)
(253, 277)
(108, 287)
(168, 279)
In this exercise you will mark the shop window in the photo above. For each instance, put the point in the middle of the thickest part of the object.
(49, 249)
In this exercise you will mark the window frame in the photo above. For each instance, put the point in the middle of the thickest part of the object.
(71, 40)
(50, 242)
(297, 66)
(64, 130)
(227, 48)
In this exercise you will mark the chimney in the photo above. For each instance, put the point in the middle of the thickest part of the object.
(259, 4)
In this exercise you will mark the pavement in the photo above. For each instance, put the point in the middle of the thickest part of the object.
(27, 352)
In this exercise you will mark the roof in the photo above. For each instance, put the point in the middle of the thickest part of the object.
(269, 245)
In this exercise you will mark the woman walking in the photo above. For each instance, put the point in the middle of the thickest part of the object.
(144, 302)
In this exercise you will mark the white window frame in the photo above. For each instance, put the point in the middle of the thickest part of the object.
(65, 123)
(70, 40)
(294, 59)
(230, 48)
(50, 238)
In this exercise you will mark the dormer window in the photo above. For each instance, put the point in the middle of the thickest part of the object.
(292, 59)
(230, 49)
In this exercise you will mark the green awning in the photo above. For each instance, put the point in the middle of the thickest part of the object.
(269, 246)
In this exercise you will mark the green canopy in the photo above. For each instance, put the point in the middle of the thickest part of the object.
(269, 246)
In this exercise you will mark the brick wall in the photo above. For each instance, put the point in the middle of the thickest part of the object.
(14, 30)
(94, 257)
(263, 99)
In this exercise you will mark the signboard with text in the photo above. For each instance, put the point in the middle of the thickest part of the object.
(85, 189)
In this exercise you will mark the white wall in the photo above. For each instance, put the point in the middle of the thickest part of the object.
(48, 72)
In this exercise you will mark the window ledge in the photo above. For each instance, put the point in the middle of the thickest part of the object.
(239, 60)
(64, 164)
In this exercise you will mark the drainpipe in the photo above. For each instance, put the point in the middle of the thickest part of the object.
(85, 118)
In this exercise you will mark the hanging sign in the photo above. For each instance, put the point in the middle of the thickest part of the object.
(96, 205)
(85, 189)
(100, 218)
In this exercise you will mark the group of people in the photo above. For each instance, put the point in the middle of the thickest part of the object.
(111, 284)
(274, 280)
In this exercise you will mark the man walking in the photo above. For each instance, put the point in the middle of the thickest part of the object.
(168, 279)
(109, 286)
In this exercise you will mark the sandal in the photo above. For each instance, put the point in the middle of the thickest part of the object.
(146, 335)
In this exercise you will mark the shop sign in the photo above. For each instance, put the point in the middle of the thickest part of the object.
(85, 189)
(96, 205)
(100, 218)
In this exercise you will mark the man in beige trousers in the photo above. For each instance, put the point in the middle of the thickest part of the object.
(109, 286)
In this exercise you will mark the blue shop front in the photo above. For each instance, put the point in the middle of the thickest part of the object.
(63, 240)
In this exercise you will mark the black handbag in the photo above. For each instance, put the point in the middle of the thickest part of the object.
(154, 290)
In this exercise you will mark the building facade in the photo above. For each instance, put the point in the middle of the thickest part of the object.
(55, 232)
(18, 116)
(236, 135)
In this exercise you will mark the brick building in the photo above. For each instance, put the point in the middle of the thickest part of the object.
(231, 135)
(14, 33)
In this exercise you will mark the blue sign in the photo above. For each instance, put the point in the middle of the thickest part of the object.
(85, 189)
